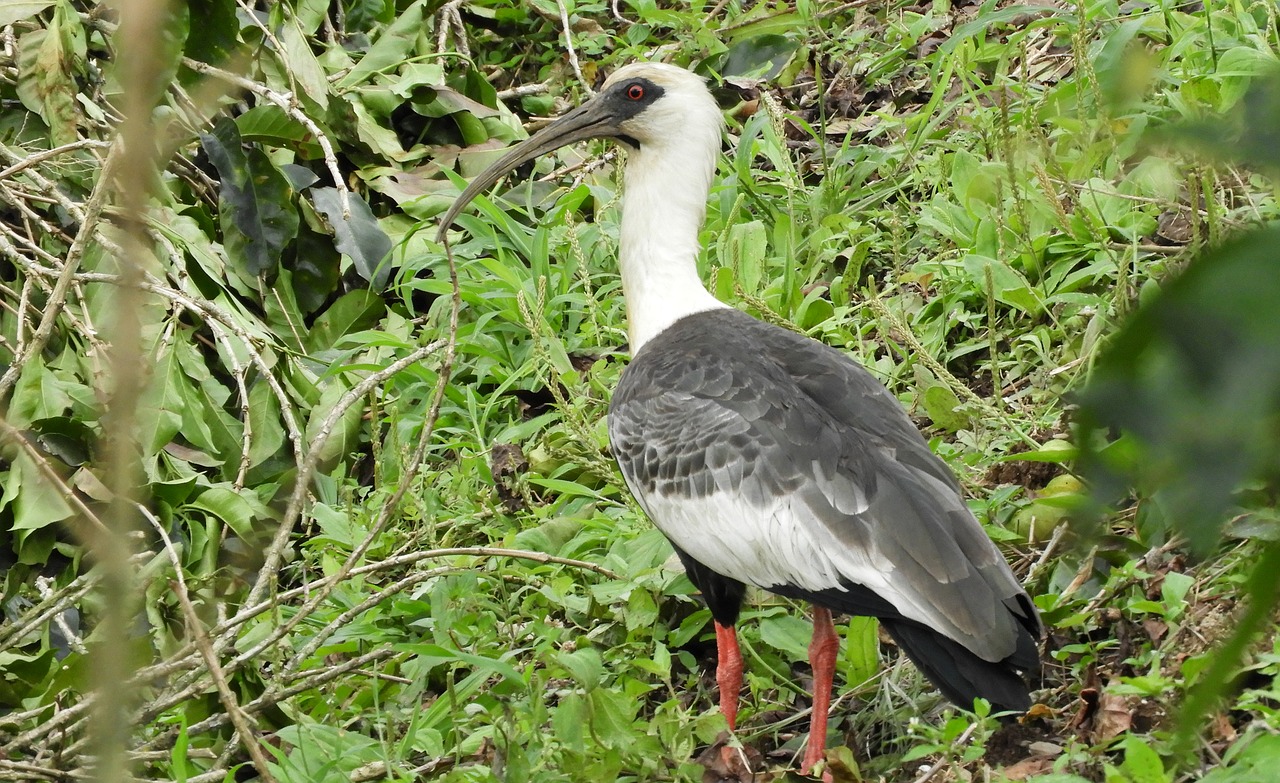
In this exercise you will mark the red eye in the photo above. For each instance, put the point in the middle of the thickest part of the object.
(635, 92)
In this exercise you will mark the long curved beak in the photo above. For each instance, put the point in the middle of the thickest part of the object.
(591, 120)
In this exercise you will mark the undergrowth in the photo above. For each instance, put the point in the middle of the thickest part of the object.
(369, 536)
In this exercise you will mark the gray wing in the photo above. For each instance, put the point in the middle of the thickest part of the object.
(789, 466)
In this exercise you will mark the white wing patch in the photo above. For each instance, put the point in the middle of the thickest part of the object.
(769, 545)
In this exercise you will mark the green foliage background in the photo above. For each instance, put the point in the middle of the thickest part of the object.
(370, 536)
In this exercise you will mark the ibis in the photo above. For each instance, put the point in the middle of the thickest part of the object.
(768, 458)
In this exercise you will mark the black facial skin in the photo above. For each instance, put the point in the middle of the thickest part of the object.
(624, 106)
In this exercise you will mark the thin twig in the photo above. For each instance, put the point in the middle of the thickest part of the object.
(568, 44)
(41, 156)
(237, 716)
(88, 226)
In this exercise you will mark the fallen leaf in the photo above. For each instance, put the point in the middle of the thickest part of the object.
(1037, 712)
(1221, 729)
(729, 761)
(1028, 768)
(1156, 629)
(1114, 717)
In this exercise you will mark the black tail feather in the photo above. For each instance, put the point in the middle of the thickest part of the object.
(961, 675)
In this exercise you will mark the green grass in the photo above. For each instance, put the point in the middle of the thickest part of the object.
(968, 199)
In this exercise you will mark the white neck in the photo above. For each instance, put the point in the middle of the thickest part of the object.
(663, 206)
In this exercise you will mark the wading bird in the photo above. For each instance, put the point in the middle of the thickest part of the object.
(767, 458)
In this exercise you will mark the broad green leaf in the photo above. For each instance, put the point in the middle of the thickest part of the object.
(1141, 763)
(47, 61)
(302, 64)
(1055, 450)
(269, 123)
(612, 713)
(363, 14)
(255, 202)
(432, 655)
(357, 234)
(163, 404)
(943, 408)
(641, 611)
(205, 420)
(215, 28)
(861, 649)
(39, 394)
(569, 720)
(1191, 379)
(392, 47)
(32, 497)
(551, 536)
(236, 508)
(345, 433)
(745, 248)
(17, 10)
(316, 268)
(585, 666)
(1007, 285)
(787, 633)
(354, 312)
(266, 429)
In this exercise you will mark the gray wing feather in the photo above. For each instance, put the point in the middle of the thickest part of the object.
(793, 462)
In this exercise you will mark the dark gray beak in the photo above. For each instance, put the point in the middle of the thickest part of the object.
(592, 120)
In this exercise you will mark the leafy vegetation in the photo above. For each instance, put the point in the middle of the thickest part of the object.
(290, 493)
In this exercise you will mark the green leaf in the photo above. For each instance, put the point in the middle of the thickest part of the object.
(432, 655)
(353, 312)
(205, 420)
(163, 403)
(346, 430)
(1257, 763)
(358, 235)
(266, 429)
(612, 713)
(216, 28)
(1006, 284)
(1055, 450)
(236, 508)
(585, 666)
(270, 123)
(745, 247)
(1141, 763)
(787, 633)
(255, 206)
(17, 10)
(317, 269)
(1192, 379)
(39, 394)
(861, 650)
(641, 611)
(302, 63)
(392, 47)
(35, 502)
(1174, 588)
(943, 408)
(47, 61)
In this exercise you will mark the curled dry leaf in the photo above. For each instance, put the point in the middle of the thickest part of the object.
(729, 761)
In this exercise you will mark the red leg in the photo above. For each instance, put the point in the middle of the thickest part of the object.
(822, 656)
(729, 671)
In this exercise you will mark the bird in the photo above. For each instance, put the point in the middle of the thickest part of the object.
(767, 458)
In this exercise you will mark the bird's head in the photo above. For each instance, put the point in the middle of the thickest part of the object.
(646, 106)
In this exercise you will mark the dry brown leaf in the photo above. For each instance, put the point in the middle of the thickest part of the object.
(1221, 729)
(729, 761)
(1156, 629)
(1028, 768)
(1114, 717)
